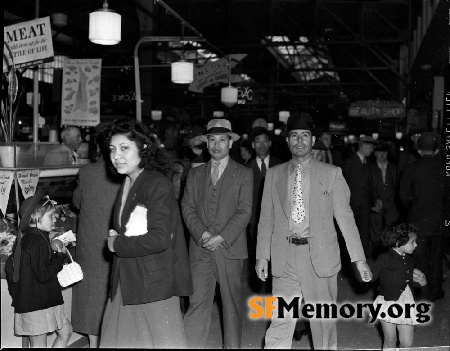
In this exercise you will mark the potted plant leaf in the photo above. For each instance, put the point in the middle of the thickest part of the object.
(10, 102)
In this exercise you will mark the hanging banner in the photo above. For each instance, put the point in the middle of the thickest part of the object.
(374, 109)
(28, 180)
(6, 179)
(31, 42)
(80, 104)
(215, 72)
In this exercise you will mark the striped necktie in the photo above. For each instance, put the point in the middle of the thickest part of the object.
(215, 173)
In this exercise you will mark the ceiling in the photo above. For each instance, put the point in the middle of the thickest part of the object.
(337, 51)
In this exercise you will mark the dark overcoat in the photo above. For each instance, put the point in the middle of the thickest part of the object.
(94, 196)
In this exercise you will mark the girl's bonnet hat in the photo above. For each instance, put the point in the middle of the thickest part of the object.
(27, 208)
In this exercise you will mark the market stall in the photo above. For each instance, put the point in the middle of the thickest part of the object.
(17, 183)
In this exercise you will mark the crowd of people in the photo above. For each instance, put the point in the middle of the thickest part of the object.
(144, 286)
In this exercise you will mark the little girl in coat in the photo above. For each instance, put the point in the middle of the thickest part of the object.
(396, 273)
(39, 305)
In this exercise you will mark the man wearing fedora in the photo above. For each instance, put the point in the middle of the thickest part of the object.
(216, 207)
(357, 174)
(424, 191)
(296, 232)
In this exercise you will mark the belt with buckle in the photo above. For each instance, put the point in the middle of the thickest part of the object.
(297, 240)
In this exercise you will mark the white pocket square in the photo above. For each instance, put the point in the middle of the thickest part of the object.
(137, 224)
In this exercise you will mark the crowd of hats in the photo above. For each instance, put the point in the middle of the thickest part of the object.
(427, 141)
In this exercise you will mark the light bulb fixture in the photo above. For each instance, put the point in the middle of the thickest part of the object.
(156, 115)
(270, 126)
(105, 26)
(218, 114)
(229, 94)
(375, 136)
(59, 19)
(283, 116)
(398, 135)
(182, 72)
(277, 131)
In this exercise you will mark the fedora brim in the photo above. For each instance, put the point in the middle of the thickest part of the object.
(285, 133)
(25, 219)
(232, 135)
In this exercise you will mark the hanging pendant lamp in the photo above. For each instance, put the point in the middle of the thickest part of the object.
(105, 26)
(182, 72)
(283, 116)
(229, 96)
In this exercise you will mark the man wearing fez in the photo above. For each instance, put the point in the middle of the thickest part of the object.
(216, 207)
(296, 232)
(425, 192)
(357, 174)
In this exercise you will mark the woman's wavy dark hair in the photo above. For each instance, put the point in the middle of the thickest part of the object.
(153, 157)
(396, 236)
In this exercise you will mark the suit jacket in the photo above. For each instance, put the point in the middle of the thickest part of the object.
(359, 180)
(386, 191)
(233, 212)
(329, 196)
(424, 191)
(153, 266)
(258, 186)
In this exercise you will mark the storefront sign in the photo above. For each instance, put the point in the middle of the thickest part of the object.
(245, 94)
(30, 42)
(374, 109)
(6, 179)
(28, 180)
(81, 92)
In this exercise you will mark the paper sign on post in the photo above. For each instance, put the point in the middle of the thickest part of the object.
(31, 42)
(6, 179)
(28, 180)
(80, 103)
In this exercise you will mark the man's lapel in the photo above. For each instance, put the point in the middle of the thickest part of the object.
(202, 182)
(282, 185)
(229, 175)
(317, 190)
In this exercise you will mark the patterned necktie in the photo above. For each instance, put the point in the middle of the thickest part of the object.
(74, 157)
(298, 212)
(263, 167)
(215, 173)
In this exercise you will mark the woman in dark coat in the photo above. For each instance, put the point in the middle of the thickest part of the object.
(151, 266)
(94, 196)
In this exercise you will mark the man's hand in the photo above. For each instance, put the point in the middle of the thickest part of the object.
(111, 243)
(213, 242)
(364, 271)
(262, 268)
(378, 206)
(419, 277)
